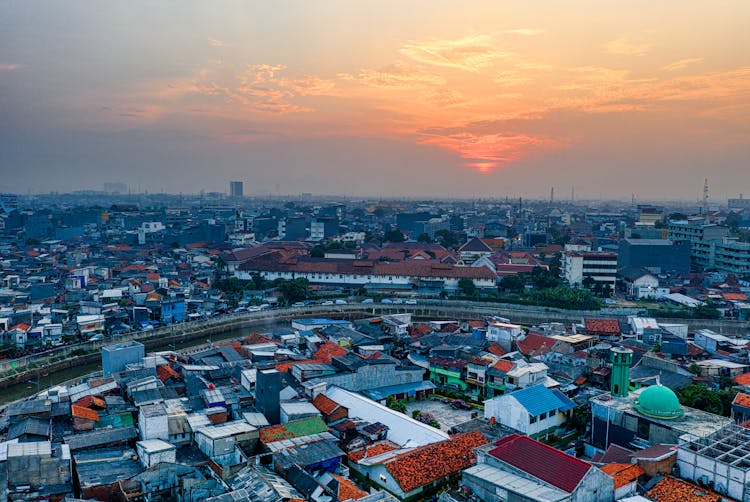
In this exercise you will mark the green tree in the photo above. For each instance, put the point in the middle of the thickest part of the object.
(467, 286)
(543, 279)
(396, 405)
(702, 398)
(424, 237)
(447, 238)
(318, 251)
(394, 235)
(294, 290)
(513, 282)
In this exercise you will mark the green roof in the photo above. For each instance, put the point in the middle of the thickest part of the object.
(295, 429)
(116, 420)
(658, 402)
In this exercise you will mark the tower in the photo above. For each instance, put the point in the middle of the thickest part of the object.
(235, 189)
(621, 359)
(705, 196)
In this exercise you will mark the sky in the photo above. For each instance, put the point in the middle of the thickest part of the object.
(387, 99)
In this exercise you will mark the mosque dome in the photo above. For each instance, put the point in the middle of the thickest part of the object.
(658, 401)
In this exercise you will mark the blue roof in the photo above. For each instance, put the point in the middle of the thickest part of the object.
(408, 388)
(539, 399)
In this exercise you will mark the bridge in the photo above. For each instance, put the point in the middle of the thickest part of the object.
(22, 369)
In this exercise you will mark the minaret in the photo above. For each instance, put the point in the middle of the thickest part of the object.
(705, 197)
(619, 379)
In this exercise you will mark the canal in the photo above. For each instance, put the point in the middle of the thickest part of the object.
(46, 380)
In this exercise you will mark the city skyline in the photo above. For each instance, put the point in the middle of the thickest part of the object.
(431, 99)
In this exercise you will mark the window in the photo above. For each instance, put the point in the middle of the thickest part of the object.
(532, 419)
(543, 416)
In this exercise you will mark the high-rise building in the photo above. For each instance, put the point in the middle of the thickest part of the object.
(235, 189)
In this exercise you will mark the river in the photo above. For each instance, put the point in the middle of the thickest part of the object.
(44, 381)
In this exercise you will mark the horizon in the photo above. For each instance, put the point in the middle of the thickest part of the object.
(425, 100)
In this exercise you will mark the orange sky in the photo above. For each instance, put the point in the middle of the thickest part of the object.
(549, 89)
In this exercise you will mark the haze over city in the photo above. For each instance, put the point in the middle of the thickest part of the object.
(377, 98)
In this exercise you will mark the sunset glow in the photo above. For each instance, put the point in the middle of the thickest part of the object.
(535, 91)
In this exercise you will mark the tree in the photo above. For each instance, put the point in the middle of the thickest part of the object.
(588, 282)
(447, 238)
(395, 405)
(702, 398)
(467, 286)
(543, 279)
(513, 282)
(555, 264)
(424, 237)
(394, 235)
(318, 251)
(294, 290)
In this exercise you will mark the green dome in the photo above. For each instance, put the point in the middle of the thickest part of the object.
(658, 402)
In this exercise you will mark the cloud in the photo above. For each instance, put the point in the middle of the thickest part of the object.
(9, 67)
(485, 152)
(397, 75)
(526, 32)
(682, 63)
(624, 46)
(469, 54)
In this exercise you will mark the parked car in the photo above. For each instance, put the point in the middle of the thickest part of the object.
(368, 300)
(460, 404)
(340, 302)
(411, 301)
(327, 302)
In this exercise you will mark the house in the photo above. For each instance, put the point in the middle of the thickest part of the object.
(640, 284)
(534, 411)
(505, 334)
(407, 473)
(625, 477)
(741, 407)
(520, 468)
(670, 489)
(604, 329)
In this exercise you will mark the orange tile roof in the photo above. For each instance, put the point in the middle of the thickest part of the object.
(609, 326)
(735, 296)
(623, 473)
(81, 412)
(743, 379)
(325, 404)
(329, 350)
(430, 463)
(742, 399)
(496, 349)
(165, 372)
(670, 489)
(348, 490)
(372, 450)
(504, 365)
(21, 326)
(535, 344)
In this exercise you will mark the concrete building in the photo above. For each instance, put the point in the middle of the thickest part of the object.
(579, 268)
(522, 469)
(534, 411)
(236, 189)
(116, 357)
(504, 333)
(37, 470)
(720, 460)
(267, 390)
(656, 255)
(153, 422)
(219, 440)
(155, 451)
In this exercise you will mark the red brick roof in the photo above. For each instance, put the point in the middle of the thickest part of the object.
(430, 463)
(81, 412)
(329, 350)
(165, 372)
(496, 349)
(670, 489)
(541, 461)
(348, 490)
(623, 473)
(504, 365)
(325, 404)
(743, 379)
(535, 344)
(606, 326)
(372, 450)
(742, 399)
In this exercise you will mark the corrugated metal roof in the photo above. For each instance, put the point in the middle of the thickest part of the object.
(539, 399)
